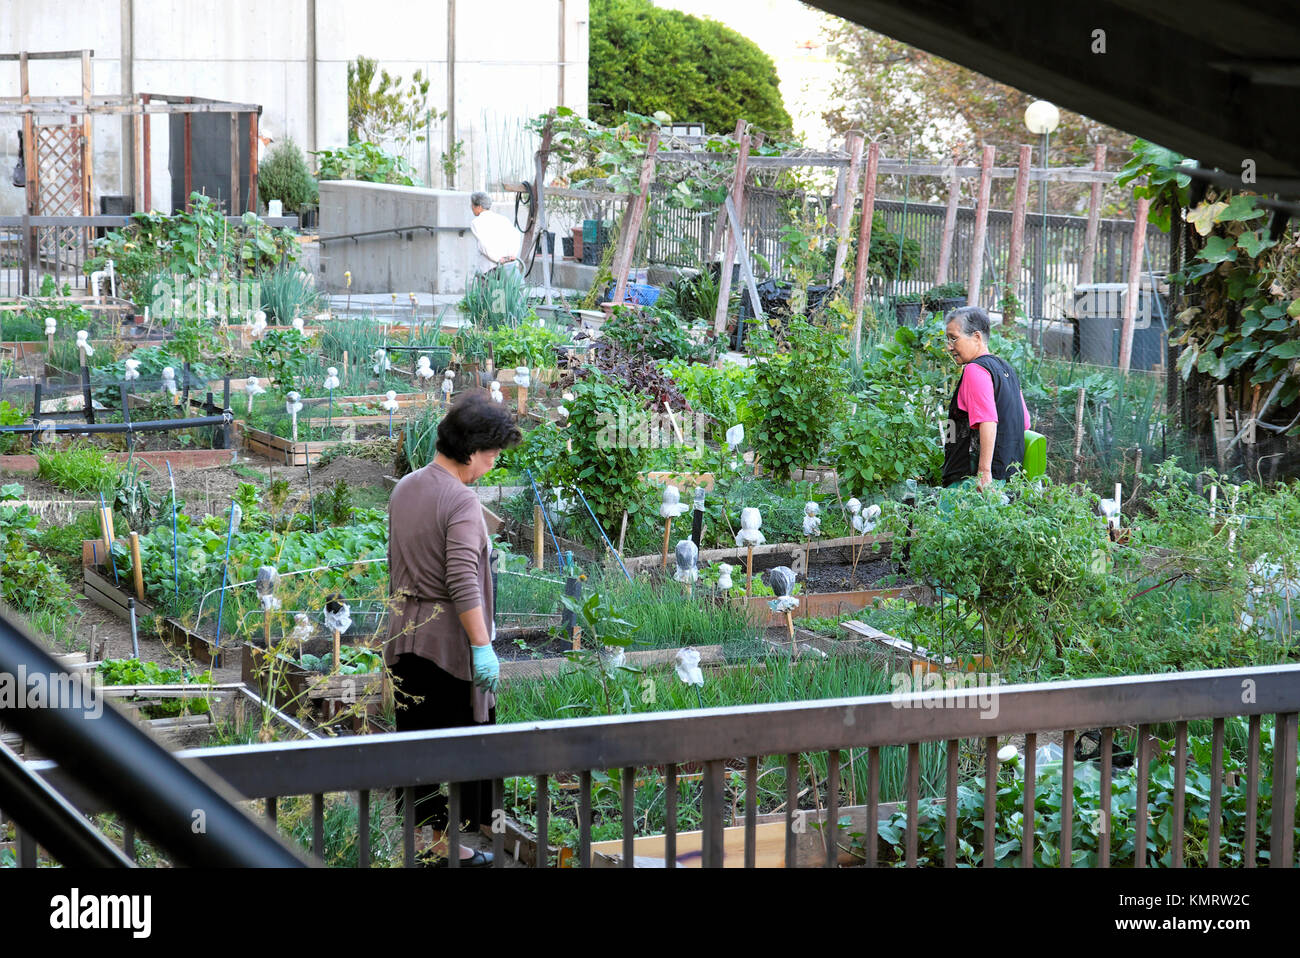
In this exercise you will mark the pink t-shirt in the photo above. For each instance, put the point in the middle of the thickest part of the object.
(975, 396)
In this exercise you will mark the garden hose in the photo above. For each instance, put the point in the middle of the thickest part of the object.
(528, 198)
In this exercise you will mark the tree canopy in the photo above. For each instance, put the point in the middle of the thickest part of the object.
(643, 59)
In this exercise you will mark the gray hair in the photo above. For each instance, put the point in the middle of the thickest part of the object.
(972, 319)
(481, 200)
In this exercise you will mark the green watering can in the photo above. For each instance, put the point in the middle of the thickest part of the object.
(1035, 463)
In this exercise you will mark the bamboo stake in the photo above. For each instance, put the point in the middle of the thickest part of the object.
(1078, 428)
(668, 531)
(789, 627)
(749, 572)
(135, 565)
(539, 537)
(677, 430)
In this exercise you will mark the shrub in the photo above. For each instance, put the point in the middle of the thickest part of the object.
(797, 394)
(284, 176)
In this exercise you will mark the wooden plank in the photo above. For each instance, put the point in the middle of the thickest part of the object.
(147, 151)
(251, 204)
(643, 563)
(87, 132)
(1094, 217)
(1017, 232)
(234, 163)
(949, 227)
(975, 283)
(1134, 275)
(632, 220)
(738, 202)
(864, 243)
(853, 144)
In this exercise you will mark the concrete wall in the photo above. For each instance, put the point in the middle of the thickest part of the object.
(507, 70)
(417, 262)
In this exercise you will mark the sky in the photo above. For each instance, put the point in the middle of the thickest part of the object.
(790, 33)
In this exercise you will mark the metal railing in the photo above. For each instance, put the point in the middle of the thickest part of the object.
(714, 738)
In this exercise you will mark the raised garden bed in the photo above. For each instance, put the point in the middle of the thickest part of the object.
(301, 453)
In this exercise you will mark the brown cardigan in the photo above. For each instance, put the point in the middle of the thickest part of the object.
(437, 568)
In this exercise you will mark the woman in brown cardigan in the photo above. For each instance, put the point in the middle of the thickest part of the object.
(440, 630)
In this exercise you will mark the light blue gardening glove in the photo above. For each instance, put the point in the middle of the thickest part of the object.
(487, 669)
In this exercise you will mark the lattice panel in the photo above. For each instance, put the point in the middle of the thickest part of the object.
(59, 156)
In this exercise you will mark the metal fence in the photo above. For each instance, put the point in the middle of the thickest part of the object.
(719, 740)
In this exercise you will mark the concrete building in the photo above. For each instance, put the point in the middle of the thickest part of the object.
(493, 66)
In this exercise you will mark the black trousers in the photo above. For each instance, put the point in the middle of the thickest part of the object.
(446, 704)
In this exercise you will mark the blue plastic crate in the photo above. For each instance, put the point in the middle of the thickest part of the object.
(636, 294)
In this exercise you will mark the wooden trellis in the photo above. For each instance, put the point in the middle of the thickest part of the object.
(59, 161)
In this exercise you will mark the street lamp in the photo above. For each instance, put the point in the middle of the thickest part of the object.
(1041, 118)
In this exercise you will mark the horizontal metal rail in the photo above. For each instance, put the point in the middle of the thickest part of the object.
(712, 737)
(151, 425)
(458, 230)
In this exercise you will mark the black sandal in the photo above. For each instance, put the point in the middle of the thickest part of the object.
(428, 859)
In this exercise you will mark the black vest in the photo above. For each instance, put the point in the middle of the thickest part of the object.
(961, 443)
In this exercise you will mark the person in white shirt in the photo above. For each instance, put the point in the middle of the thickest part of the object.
(498, 238)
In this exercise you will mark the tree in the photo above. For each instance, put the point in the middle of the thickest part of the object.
(385, 111)
(948, 111)
(645, 59)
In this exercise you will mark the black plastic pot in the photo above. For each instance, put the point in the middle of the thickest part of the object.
(592, 252)
(908, 314)
(566, 244)
(942, 306)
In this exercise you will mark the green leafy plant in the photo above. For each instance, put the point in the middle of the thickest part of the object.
(496, 298)
(79, 468)
(604, 636)
(656, 332)
(136, 672)
(366, 162)
(282, 351)
(796, 396)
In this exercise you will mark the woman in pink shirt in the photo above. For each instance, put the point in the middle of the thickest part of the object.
(987, 417)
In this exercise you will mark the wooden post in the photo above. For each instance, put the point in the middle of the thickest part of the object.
(87, 132)
(632, 218)
(789, 626)
(1094, 217)
(853, 145)
(137, 147)
(135, 565)
(540, 161)
(539, 537)
(974, 283)
(147, 148)
(668, 532)
(949, 226)
(864, 243)
(106, 528)
(738, 201)
(1017, 233)
(252, 170)
(749, 572)
(189, 150)
(622, 533)
(720, 228)
(521, 400)
(32, 168)
(1134, 274)
(337, 650)
(234, 163)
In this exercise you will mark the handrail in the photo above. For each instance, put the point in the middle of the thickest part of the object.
(458, 230)
(184, 809)
(714, 736)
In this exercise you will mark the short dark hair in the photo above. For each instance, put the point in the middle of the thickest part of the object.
(972, 319)
(475, 423)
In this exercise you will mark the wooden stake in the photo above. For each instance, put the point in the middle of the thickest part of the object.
(677, 430)
(521, 400)
(106, 526)
(539, 537)
(864, 242)
(749, 572)
(974, 284)
(789, 627)
(1078, 428)
(738, 201)
(135, 564)
(668, 531)
(336, 650)
(949, 226)
(1094, 218)
(853, 146)
(632, 219)
(621, 533)
(1017, 232)
(1134, 274)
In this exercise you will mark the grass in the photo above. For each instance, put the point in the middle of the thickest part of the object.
(61, 542)
(80, 468)
(288, 291)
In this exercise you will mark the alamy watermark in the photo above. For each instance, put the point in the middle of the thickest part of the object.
(973, 690)
(187, 297)
(42, 690)
(650, 430)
